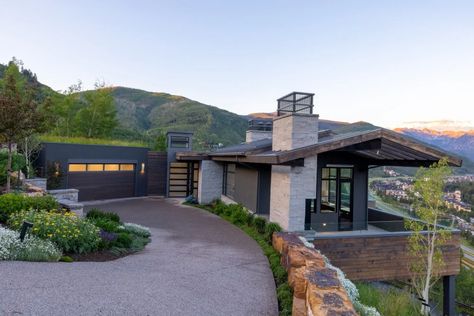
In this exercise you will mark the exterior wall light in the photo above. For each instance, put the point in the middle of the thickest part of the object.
(143, 168)
(324, 224)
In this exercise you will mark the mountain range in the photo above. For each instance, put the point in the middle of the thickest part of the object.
(141, 113)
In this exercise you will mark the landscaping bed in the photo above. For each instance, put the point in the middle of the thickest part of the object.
(261, 231)
(57, 234)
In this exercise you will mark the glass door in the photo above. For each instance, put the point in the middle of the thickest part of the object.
(335, 208)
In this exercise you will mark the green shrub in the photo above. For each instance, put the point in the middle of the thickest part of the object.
(138, 243)
(280, 275)
(124, 240)
(106, 224)
(11, 203)
(71, 233)
(257, 228)
(47, 203)
(270, 229)
(389, 302)
(18, 163)
(285, 299)
(250, 218)
(66, 259)
(260, 223)
(239, 216)
(96, 213)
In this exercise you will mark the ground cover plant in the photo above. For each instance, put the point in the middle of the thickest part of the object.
(388, 301)
(261, 232)
(117, 237)
(31, 249)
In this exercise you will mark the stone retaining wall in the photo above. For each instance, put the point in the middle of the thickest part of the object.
(317, 290)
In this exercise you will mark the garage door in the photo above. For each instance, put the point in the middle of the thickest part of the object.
(98, 181)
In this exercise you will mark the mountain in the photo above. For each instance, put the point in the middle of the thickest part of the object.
(457, 142)
(323, 124)
(153, 113)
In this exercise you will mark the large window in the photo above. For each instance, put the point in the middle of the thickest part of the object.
(228, 187)
(179, 142)
(336, 190)
(98, 167)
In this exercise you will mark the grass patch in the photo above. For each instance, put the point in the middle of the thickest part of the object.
(91, 141)
(261, 232)
(390, 301)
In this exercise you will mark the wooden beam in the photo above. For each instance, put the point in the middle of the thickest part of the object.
(407, 142)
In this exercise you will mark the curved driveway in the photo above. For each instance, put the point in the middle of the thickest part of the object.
(197, 264)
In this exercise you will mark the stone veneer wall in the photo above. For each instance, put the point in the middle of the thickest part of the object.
(317, 290)
(251, 136)
(290, 187)
(210, 181)
(294, 130)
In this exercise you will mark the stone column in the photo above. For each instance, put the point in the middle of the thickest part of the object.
(210, 181)
(290, 188)
(292, 185)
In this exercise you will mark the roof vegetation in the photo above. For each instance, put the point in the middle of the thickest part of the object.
(91, 141)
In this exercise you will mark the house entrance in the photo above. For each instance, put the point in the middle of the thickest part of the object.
(335, 211)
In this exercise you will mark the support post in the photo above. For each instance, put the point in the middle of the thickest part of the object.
(449, 305)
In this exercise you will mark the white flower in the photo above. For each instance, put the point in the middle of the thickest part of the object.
(31, 249)
(137, 229)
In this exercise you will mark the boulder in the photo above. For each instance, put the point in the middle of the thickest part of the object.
(281, 241)
(325, 294)
(299, 307)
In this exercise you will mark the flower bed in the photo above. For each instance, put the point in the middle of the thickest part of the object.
(101, 236)
(71, 233)
(31, 249)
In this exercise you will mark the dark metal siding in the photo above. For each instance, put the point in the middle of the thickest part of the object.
(246, 187)
(103, 185)
(264, 183)
(67, 153)
(157, 170)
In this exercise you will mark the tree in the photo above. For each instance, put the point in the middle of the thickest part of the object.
(65, 108)
(427, 236)
(29, 147)
(98, 117)
(20, 115)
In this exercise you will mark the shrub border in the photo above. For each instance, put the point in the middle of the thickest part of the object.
(262, 234)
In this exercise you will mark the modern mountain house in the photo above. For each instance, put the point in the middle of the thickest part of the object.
(308, 179)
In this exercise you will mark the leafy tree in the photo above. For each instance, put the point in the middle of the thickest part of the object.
(65, 108)
(427, 236)
(20, 114)
(98, 116)
(160, 142)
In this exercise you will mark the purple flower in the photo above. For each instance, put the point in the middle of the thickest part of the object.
(107, 236)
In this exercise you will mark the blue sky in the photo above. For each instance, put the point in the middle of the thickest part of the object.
(387, 62)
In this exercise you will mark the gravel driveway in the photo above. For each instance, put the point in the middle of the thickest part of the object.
(197, 264)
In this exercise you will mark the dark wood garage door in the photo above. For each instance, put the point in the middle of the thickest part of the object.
(103, 183)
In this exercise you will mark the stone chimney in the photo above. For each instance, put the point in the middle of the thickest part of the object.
(258, 129)
(292, 186)
(296, 125)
